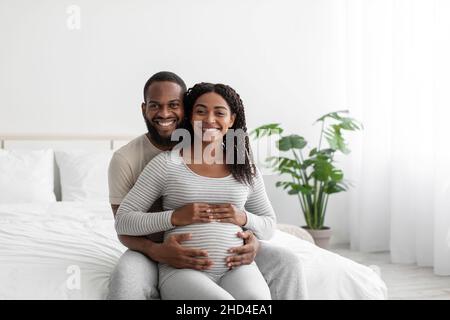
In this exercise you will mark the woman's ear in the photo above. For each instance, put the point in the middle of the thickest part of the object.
(233, 117)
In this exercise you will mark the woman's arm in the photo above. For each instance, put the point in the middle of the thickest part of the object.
(261, 218)
(132, 217)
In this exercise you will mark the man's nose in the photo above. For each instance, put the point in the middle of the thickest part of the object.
(164, 112)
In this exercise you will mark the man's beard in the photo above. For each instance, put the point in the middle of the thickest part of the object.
(157, 138)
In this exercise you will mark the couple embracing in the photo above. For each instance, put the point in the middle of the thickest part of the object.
(193, 217)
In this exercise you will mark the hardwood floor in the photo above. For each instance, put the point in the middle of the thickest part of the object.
(403, 281)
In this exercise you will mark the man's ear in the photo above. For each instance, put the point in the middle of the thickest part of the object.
(143, 108)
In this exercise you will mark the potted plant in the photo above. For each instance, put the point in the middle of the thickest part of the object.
(313, 178)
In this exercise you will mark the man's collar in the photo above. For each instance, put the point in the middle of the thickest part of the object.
(162, 148)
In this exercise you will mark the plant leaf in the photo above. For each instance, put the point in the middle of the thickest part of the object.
(322, 170)
(334, 115)
(337, 175)
(292, 141)
(266, 130)
(333, 187)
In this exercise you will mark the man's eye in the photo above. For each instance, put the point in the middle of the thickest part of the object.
(174, 105)
(153, 106)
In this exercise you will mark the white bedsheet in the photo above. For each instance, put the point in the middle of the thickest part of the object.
(67, 250)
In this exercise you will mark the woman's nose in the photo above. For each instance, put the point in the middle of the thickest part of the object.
(211, 118)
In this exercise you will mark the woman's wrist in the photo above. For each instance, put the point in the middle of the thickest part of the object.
(243, 218)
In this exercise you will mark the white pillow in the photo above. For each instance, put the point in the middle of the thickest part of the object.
(84, 175)
(26, 176)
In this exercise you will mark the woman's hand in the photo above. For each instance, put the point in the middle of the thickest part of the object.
(227, 213)
(191, 213)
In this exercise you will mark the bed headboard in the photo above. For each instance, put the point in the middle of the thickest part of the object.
(106, 142)
(63, 142)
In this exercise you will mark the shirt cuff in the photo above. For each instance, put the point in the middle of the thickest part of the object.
(250, 221)
(167, 219)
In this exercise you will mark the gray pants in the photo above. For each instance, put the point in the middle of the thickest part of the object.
(243, 283)
(136, 276)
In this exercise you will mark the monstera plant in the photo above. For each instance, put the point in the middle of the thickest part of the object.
(313, 172)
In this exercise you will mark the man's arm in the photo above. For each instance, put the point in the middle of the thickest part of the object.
(170, 251)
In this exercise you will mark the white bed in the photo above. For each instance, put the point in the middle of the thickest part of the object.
(44, 247)
(68, 249)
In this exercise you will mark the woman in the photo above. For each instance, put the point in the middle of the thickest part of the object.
(206, 189)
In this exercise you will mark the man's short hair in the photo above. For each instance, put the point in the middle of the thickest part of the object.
(165, 76)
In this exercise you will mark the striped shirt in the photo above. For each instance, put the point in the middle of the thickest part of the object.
(168, 176)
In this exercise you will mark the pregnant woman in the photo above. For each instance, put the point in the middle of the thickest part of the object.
(210, 190)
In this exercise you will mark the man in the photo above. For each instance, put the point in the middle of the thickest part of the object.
(136, 274)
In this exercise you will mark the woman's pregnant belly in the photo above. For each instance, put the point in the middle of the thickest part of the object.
(214, 237)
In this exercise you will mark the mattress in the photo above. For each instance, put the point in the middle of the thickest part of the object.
(67, 250)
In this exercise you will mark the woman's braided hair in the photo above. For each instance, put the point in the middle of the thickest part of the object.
(243, 170)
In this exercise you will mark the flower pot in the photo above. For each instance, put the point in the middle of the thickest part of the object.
(321, 236)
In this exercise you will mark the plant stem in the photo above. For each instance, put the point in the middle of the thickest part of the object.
(316, 207)
(307, 198)
(320, 204)
(304, 210)
(324, 210)
(299, 198)
(302, 199)
(300, 161)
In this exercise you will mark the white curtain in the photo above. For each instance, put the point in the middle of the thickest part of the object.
(398, 84)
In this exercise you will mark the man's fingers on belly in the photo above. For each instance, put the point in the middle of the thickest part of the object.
(234, 261)
(196, 253)
(241, 250)
(235, 264)
(239, 260)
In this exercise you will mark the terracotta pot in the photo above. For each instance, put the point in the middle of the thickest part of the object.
(321, 236)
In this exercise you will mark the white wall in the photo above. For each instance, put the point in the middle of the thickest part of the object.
(285, 58)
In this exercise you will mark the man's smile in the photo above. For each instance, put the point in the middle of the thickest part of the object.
(165, 123)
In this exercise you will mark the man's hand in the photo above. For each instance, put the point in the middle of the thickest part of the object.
(191, 213)
(244, 254)
(172, 253)
(228, 213)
